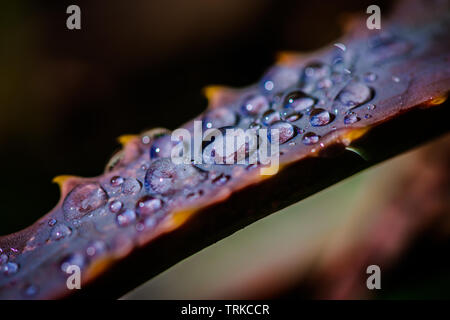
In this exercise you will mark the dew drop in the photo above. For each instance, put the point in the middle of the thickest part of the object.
(131, 186)
(278, 79)
(9, 268)
(3, 258)
(255, 105)
(355, 94)
(116, 181)
(254, 125)
(270, 116)
(351, 118)
(148, 205)
(126, 217)
(74, 259)
(115, 206)
(310, 138)
(370, 77)
(220, 117)
(299, 101)
(52, 222)
(320, 117)
(164, 177)
(96, 248)
(285, 131)
(84, 199)
(371, 106)
(59, 232)
(221, 179)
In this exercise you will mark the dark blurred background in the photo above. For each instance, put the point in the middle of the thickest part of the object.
(65, 95)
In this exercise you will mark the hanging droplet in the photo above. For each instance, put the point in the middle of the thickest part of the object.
(131, 186)
(220, 117)
(126, 217)
(351, 118)
(148, 205)
(355, 94)
(320, 117)
(115, 206)
(270, 116)
(299, 101)
(255, 105)
(310, 138)
(285, 131)
(164, 177)
(59, 232)
(84, 199)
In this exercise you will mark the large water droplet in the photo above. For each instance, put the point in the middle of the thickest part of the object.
(131, 186)
(148, 205)
(83, 199)
(299, 101)
(126, 217)
(355, 94)
(59, 232)
(320, 117)
(310, 138)
(285, 131)
(270, 116)
(164, 177)
(220, 117)
(255, 105)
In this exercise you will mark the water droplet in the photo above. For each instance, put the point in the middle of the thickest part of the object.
(371, 106)
(126, 217)
(30, 290)
(351, 118)
(254, 125)
(316, 71)
(367, 116)
(278, 79)
(52, 222)
(310, 138)
(84, 199)
(74, 259)
(220, 179)
(370, 77)
(355, 94)
(96, 248)
(115, 206)
(340, 46)
(116, 181)
(320, 117)
(131, 186)
(195, 195)
(3, 258)
(161, 147)
(285, 131)
(220, 117)
(164, 177)
(9, 268)
(255, 105)
(148, 205)
(299, 101)
(153, 134)
(288, 114)
(59, 232)
(270, 116)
